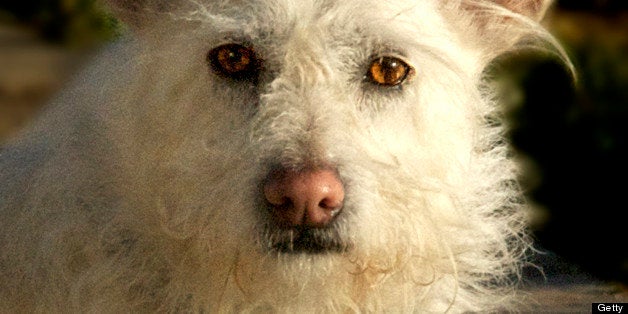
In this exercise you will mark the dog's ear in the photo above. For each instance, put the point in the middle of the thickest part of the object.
(506, 24)
(534, 9)
(485, 9)
(137, 14)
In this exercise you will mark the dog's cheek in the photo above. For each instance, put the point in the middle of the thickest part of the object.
(184, 134)
(432, 128)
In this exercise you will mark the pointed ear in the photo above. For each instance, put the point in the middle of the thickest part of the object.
(137, 14)
(534, 9)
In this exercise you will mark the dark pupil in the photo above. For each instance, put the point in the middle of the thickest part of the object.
(233, 59)
(391, 70)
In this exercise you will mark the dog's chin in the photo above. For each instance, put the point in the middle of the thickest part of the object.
(304, 240)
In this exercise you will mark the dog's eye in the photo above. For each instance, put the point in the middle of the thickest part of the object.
(234, 61)
(388, 71)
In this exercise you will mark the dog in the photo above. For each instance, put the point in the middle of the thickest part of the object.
(274, 156)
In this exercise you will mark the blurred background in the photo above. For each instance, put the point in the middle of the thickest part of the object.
(574, 138)
(571, 135)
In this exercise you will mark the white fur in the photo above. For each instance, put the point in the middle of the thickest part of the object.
(138, 189)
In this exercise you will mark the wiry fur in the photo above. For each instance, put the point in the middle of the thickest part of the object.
(138, 190)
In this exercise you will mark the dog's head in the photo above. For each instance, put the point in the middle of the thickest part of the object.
(340, 141)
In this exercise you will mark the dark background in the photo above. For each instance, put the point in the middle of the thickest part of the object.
(574, 132)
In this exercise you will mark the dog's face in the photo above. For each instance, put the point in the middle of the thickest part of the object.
(344, 93)
(339, 141)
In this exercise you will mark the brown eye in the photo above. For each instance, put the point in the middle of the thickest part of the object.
(388, 71)
(234, 61)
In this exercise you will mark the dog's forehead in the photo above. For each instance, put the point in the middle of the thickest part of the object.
(281, 17)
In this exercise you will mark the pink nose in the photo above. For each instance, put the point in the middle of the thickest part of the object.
(310, 197)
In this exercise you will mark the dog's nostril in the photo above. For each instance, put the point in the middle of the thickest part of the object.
(309, 197)
(329, 204)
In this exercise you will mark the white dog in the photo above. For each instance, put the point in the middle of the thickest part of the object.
(273, 156)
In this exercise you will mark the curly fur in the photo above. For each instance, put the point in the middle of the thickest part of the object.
(137, 190)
